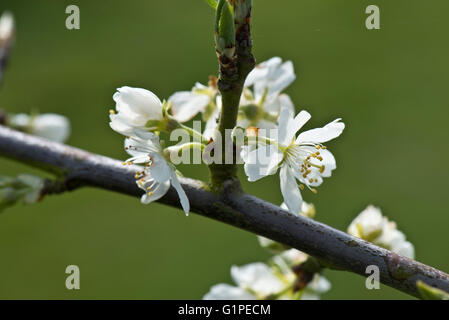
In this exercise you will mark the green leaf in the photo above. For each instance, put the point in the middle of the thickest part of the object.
(430, 293)
(212, 3)
(225, 29)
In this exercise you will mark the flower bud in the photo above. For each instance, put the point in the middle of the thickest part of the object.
(24, 187)
(6, 27)
(225, 32)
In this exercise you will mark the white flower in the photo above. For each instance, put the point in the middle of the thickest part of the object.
(51, 126)
(135, 108)
(159, 173)
(264, 112)
(303, 158)
(6, 26)
(187, 104)
(261, 108)
(368, 225)
(257, 278)
(372, 226)
(270, 77)
(254, 281)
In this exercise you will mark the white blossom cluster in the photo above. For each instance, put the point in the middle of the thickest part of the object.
(140, 115)
(372, 226)
(275, 280)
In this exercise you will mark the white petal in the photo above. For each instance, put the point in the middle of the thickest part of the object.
(257, 277)
(224, 291)
(51, 126)
(118, 125)
(405, 249)
(158, 190)
(319, 284)
(368, 224)
(283, 77)
(288, 126)
(260, 72)
(160, 169)
(290, 190)
(275, 104)
(261, 162)
(140, 101)
(187, 104)
(181, 193)
(324, 134)
(328, 162)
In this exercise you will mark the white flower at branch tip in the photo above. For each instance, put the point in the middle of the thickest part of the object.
(302, 158)
(6, 26)
(187, 104)
(135, 108)
(372, 226)
(51, 126)
(270, 77)
(159, 173)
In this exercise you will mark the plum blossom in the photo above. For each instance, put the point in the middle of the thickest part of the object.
(261, 106)
(258, 281)
(301, 158)
(372, 226)
(185, 105)
(270, 77)
(51, 126)
(159, 173)
(135, 108)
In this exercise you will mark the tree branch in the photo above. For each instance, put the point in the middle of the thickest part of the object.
(335, 248)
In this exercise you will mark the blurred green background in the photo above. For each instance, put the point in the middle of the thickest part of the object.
(388, 85)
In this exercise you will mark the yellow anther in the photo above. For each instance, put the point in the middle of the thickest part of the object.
(320, 158)
(314, 155)
(150, 193)
(318, 146)
(324, 147)
(311, 180)
(301, 186)
(111, 111)
(314, 190)
(322, 169)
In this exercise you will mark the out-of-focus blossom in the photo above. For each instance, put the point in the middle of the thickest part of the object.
(51, 126)
(372, 226)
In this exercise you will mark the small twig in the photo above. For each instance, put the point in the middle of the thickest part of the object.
(233, 72)
(332, 247)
